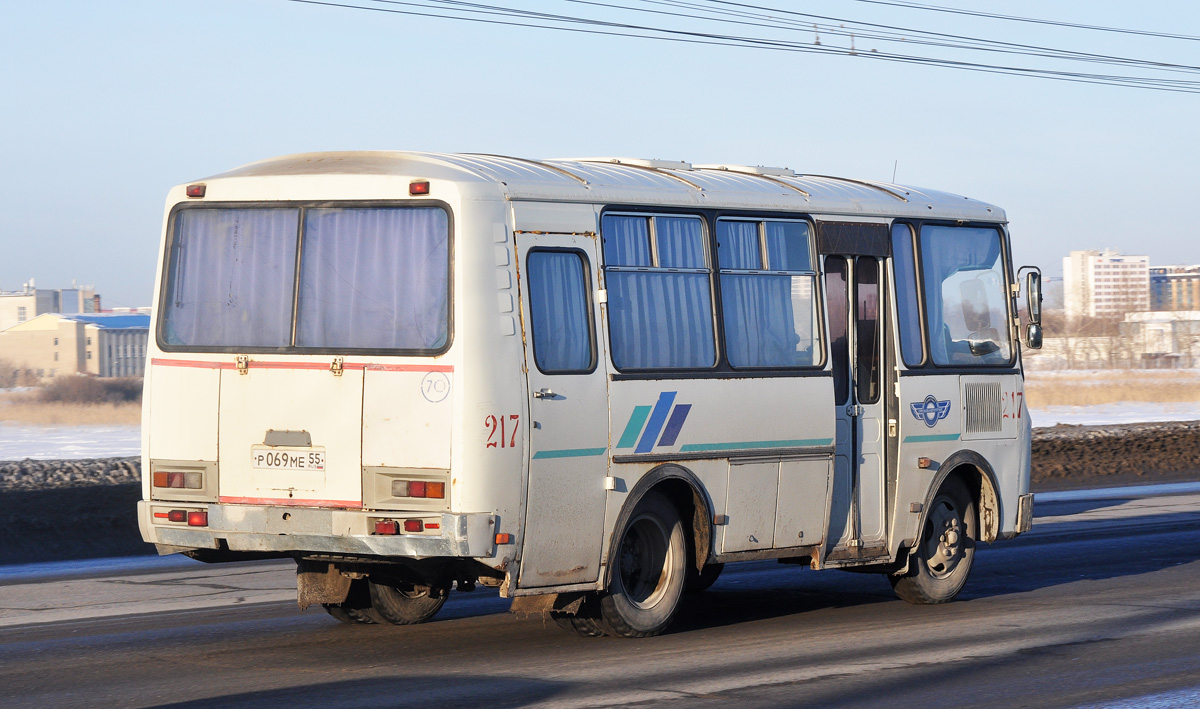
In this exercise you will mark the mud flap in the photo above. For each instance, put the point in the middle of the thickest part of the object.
(564, 603)
(318, 582)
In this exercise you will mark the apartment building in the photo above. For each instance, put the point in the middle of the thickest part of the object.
(1105, 283)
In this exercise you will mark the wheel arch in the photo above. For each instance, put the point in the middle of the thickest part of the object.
(689, 496)
(975, 471)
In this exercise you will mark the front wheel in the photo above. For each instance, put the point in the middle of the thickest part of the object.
(649, 571)
(942, 559)
(406, 604)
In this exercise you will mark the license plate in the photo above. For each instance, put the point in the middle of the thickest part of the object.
(287, 458)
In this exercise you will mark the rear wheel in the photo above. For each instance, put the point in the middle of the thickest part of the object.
(942, 559)
(649, 572)
(404, 603)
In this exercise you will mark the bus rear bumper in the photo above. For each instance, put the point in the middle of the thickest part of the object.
(257, 528)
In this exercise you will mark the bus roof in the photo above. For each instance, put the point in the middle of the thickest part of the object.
(639, 181)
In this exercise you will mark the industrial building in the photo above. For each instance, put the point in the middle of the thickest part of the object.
(55, 344)
(26, 304)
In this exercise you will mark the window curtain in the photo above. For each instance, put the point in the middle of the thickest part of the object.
(375, 278)
(660, 320)
(626, 241)
(737, 245)
(232, 278)
(760, 321)
(680, 242)
(562, 337)
(788, 246)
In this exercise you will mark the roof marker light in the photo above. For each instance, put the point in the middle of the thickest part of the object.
(416, 187)
(195, 191)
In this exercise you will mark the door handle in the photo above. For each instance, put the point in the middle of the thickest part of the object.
(544, 394)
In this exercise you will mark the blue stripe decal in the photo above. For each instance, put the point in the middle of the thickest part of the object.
(570, 453)
(657, 419)
(930, 439)
(674, 424)
(634, 427)
(746, 445)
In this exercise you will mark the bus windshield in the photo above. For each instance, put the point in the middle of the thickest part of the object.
(367, 278)
(966, 296)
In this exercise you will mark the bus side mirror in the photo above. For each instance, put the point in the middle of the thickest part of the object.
(1033, 296)
(1033, 306)
(1033, 336)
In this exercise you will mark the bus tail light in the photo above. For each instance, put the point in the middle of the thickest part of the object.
(177, 516)
(386, 526)
(184, 481)
(197, 518)
(414, 525)
(419, 488)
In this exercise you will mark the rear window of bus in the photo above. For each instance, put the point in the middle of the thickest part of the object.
(308, 278)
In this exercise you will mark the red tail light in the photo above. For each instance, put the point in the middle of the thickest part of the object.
(197, 518)
(414, 525)
(386, 526)
(177, 516)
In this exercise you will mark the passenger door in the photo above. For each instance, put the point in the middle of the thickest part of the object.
(568, 408)
(853, 292)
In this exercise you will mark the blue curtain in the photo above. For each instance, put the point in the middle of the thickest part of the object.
(231, 278)
(626, 241)
(562, 336)
(760, 318)
(680, 242)
(375, 278)
(789, 246)
(906, 294)
(737, 245)
(660, 319)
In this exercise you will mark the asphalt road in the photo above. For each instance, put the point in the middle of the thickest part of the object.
(1098, 606)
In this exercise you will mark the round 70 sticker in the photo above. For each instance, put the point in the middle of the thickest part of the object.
(435, 387)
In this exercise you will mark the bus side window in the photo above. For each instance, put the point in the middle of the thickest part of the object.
(769, 308)
(659, 292)
(906, 296)
(837, 298)
(560, 312)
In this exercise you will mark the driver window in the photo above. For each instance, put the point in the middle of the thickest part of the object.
(967, 312)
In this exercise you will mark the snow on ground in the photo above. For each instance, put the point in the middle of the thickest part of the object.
(21, 440)
(1120, 412)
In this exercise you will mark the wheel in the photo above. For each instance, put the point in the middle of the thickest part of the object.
(587, 627)
(356, 609)
(698, 581)
(403, 604)
(649, 573)
(942, 559)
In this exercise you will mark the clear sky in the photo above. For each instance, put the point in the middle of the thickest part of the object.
(106, 105)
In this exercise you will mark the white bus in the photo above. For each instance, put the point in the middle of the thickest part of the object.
(589, 382)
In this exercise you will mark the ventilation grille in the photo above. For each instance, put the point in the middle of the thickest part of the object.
(981, 402)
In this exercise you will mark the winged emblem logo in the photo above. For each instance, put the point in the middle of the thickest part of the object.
(930, 410)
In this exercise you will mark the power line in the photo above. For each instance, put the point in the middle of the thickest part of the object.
(1030, 20)
(516, 17)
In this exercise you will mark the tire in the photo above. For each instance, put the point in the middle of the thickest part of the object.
(649, 570)
(356, 609)
(587, 627)
(402, 604)
(942, 560)
(698, 581)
